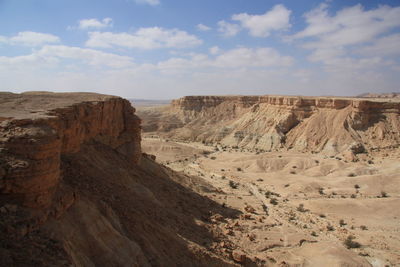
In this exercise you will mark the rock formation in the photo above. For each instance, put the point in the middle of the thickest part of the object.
(313, 124)
(76, 189)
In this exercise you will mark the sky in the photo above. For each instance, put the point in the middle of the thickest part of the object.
(164, 49)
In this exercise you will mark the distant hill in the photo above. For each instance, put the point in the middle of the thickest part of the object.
(385, 95)
(148, 102)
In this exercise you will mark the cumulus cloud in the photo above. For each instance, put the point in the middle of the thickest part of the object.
(385, 46)
(228, 29)
(144, 38)
(203, 28)
(231, 59)
(29, 38)
(148, 2)
(85, 24)
(349, 26)
(261, 25)
(52, 54)
(352, 40)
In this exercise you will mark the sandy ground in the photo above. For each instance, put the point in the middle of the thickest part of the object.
(297, 208)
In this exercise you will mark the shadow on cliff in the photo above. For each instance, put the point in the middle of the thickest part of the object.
(149, 204)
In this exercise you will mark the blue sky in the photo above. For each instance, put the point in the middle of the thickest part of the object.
(162, 49)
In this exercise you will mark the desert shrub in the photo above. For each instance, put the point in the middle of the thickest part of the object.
(316, 161)
(223, 177)
(352, 174)
(239, 169)
(353, 196)
(292, 172)
(287, 185)
(330, 227)
(384, 194)
(322, 215)
(363, 227)
(269, 193)
(313, 233)
(342, 223)
(301, 208)
(274, 201)
(260, 180)
(321, 191)
(356, 186)
(213, 158)
(233, 185)
(370, 162)
(334, 193)
(222, 170)
(350, 243)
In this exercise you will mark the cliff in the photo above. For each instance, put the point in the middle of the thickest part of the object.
(37, 129)
(314, 124)
(75, 189)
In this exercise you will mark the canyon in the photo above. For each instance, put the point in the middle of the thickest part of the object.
(87, 180)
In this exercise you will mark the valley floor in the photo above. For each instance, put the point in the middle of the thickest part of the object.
(296, 208)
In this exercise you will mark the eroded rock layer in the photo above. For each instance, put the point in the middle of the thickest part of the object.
(39, 128)
(313, 124)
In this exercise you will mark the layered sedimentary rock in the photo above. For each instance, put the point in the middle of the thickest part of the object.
(75, 189)
(36, 130)
(316, 124)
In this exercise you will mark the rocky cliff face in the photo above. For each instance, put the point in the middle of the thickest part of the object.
(33, 141)
(315, 124)
(75, 189)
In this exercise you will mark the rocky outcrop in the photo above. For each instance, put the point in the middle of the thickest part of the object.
(75, 189)
(315, 124)
(36, 130)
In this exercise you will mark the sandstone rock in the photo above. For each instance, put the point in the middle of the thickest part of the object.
(239, 256)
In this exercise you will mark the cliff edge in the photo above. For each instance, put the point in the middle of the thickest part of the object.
(330, 125)
(76, 190)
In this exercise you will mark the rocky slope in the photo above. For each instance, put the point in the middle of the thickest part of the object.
(307, 124)
(76, 189)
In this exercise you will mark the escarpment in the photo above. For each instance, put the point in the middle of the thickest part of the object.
(314, 124)
(75, 189)
(38, 129)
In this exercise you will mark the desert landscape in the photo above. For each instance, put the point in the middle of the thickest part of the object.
(315, 186)
(170, 133)
(84, 184)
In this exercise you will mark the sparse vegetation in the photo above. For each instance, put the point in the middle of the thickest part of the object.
(301, 208)
(352, 174)
(350, 243)
(356, 186)
(213, 158)
(322, 215)
(342, 223)
(292, 172)
(239, 169)
(233, 185)
(274, 201)
(363, 227)
(321, 191)
(330, 227)
(353, 196)
(313, 233)
(384, 194)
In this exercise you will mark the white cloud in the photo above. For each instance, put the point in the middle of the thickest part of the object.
(148, 2)
(214, 50)
(85, 24)
(228, 29)
(29, 38)
(385, 46)
(232, 59)
(144, 38)
(352, 40)
(261, 25)
(203, 28)
(349, 26)
(52, 54)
